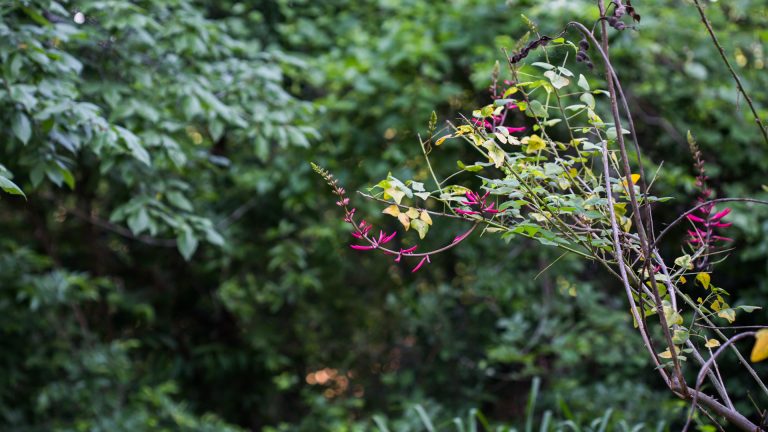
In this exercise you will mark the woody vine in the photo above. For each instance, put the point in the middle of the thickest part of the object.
(575, 181)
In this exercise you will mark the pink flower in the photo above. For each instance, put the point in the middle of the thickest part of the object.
(721, 214)
(421, 263)
(693, 218)
(461, 237)
(478, 204)
(362, 247)
(348, 217)
(516, 129)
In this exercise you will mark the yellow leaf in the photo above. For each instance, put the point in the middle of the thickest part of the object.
(712, 343)
(442, 139)
(412, 213)
(635, 179)
(683, 279)
(760, 350)
(703, 279)
(668, 354)
(425, 217)
(535, 144)
(392, 210)
(715, 306)
(405, 220)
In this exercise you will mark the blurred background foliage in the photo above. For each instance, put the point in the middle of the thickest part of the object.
(176, 265)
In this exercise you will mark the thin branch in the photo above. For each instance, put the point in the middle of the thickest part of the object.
(700, 379)
(730, 69)
(125, 232)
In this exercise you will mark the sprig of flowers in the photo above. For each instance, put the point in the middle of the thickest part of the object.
(362, 230)
(704, 233)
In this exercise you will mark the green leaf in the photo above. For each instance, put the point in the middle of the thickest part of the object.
(538, 109)
(558, 81)
(186, 242)
(138, 221)
(179, 200)
(680, 336)
(583, 82)
(10, 187)
(588, 99)
(543, 65)
(21, 127)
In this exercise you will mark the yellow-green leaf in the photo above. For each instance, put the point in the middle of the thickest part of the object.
(703, 279)
(497, 156)
(420, 226)
(394, 193)
(392, 210)
(712, 343)
(684, 261)
(760, 350)
(728, 314)
(510, 91)
(535, 144)
(412, 213)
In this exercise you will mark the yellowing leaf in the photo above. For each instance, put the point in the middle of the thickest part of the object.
(626, 224)
(635, 179)
(728, 314)
(412, 213)
(510, 91)
(683, 280)
(715, 306)
(712, 343)
(463, 129)
(394, 193)
(668, 354)
(392, 210)
(760, 350)
(442, 139)
(425, 217)
(703, 279)
(405, 220)
(684, 261)
(497, 156)
(535, 144)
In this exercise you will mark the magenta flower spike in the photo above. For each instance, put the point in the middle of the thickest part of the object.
(693, 218)
(362, 247)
